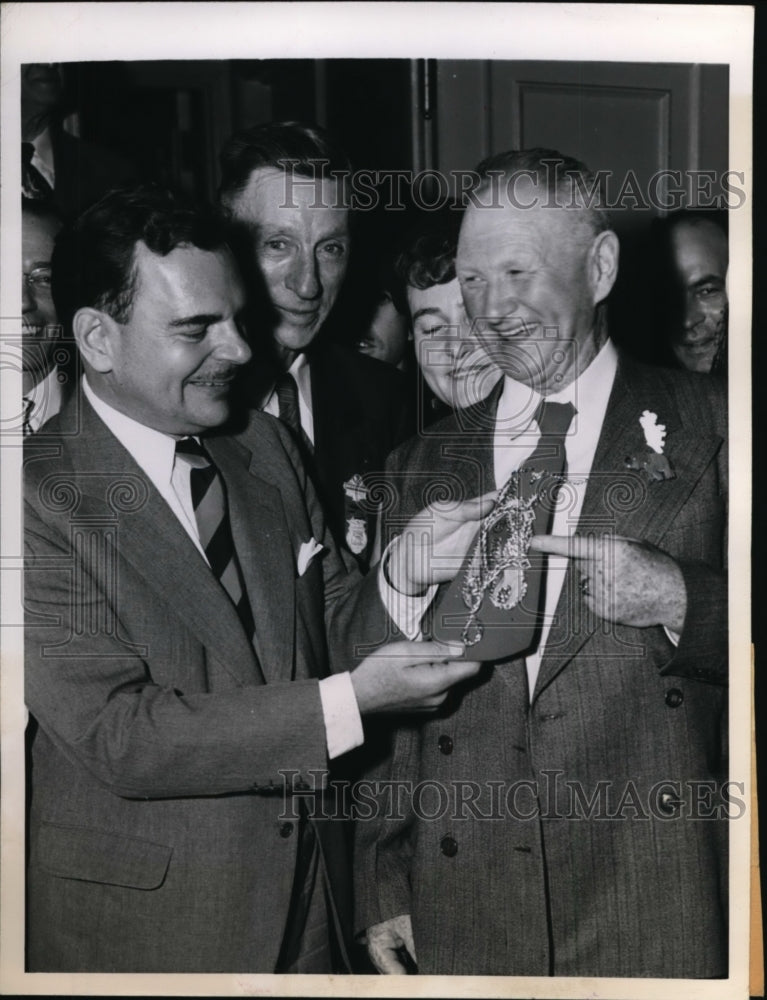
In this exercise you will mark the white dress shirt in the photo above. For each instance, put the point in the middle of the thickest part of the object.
(515, 438)
(300, 372)
(42, 158)
(155, 453)
(46, 398)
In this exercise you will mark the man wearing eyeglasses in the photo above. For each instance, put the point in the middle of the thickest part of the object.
(42, 393)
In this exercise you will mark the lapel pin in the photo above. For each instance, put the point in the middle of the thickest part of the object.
(356, 514)
(653, 462)
(356, 489)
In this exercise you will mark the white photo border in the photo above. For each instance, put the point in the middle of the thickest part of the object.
(77, 32)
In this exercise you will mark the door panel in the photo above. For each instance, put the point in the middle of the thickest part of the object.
(632, 120)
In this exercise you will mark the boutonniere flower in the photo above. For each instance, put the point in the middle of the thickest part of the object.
(652, 462)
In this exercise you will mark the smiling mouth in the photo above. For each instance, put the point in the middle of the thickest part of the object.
(217, 381)
(466, 372)
(36, 331)
(305, 314)
(700, 346)
(504, 328)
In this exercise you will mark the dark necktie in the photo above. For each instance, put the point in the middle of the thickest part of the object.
(34, 185)
(26, 420)
(504, 632)
(212, 516)
(549, 458)
(290, 414)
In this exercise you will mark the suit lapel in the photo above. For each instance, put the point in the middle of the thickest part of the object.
(152, 540)
(325, 404)
(624, 502)
(340, 428)
(263, 546)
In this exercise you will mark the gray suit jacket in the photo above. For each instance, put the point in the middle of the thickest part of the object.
(581, 832)
(154, 841)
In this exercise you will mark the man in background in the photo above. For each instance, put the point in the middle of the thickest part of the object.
(56, 165)
(284, 186)
(693, 251)
(42, 378)
(454, 365)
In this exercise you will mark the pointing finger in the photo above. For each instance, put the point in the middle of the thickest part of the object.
(576, 547)
(556, 545)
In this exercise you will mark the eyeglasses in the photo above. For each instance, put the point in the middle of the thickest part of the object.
(39, 279)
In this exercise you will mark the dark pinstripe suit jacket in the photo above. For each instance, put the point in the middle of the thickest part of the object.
(580, 832)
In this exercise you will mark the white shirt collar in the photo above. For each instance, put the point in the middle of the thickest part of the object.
(589, 394)
(46, 398)
(300, 372)
(43, 155)
(300, 363)
(152, 450)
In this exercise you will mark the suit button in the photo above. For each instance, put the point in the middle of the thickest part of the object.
(286, 829)
(669, 803)
(674, 698)
(445, 744)
(448, 847)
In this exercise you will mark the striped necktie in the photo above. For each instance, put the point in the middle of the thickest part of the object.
(286, 388)
(212, 516)
(26, 419)
(287, 397)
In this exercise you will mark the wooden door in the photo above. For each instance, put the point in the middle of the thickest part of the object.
(657, 132)
(630, 120)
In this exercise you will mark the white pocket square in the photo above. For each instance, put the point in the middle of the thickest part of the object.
(306, 553)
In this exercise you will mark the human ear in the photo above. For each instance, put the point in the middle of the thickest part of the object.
(95, 332)
(603, 264)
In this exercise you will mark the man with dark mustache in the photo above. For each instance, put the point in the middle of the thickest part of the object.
(195, 643)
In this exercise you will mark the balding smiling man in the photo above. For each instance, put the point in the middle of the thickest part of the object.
(575, 821)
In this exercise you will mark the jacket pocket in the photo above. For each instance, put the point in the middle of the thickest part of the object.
(95, 856)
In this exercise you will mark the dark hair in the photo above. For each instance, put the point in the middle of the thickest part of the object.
(663, 227)
(306, 150)
(94, 257)
(427, 257)
(668, 296)
(41, 208)
(568, 182)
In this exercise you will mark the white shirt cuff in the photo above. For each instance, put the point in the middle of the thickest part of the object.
(343, 723)
(405, 611)
(673, 637)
